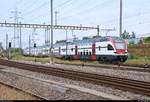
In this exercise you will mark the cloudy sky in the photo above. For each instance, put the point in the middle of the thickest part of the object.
(136, 14)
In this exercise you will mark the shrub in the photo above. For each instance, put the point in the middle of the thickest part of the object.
(131, 56)
(132, 43)
(147, 40)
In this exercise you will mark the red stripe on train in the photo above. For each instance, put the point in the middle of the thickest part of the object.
(120, 51)
(93, 57)
(76, 53)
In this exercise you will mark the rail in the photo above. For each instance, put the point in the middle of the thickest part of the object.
(113, 66)
(119, 83)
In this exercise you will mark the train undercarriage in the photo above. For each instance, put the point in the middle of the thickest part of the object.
(103, 58)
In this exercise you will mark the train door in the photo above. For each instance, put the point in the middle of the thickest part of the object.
(93, 57)
(59, 51)
(76, 53)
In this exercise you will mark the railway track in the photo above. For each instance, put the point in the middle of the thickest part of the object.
(122, 67)
(25, 91)
(139, 87)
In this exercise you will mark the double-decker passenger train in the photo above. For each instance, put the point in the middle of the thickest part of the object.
(106, 49)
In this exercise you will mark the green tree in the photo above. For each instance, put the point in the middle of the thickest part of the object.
(131, 43)
(147, 40)
(125, 35)
(133, 35)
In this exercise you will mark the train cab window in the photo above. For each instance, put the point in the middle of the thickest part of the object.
(110, 48)
(81, 53)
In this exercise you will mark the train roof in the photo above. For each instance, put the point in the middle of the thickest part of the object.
(85, 40)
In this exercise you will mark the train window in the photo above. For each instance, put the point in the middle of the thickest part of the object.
(103, 39)
(90, 53)
(83, 53)
(110, 47)
(99, 48)
(72, 49)
(78, 53)
(87, 53)
(64, 50)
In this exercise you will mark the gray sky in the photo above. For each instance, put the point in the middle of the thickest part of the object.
(105, 13)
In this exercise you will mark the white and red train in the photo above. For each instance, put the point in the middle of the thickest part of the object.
(107, 49)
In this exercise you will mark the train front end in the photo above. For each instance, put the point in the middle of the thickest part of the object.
(121, 49)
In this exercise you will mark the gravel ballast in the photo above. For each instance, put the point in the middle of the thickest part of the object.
(134, 75)
(9, 93)
(107, 90)
(47, 90)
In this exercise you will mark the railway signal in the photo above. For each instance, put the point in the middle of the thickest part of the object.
(35, 51)
(9, 44)
(34, 45)
(9, 54)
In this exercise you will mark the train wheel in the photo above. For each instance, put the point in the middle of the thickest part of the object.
(104, 59)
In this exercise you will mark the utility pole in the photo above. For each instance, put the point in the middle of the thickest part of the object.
(56, 12)
(33, 36)
(29, 44)
(120, 18)
(51, 49)
(20, 43)
(98, 30)
(73, 34)
(16, 17)
(46, 35)
(66, 43)
(7, 52)
(6, 41)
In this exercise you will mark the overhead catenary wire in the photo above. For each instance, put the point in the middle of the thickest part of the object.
(35, 9)
(62, 4)
(127, 18)
(88, 10)
(79, 5)
(81, 12)
(19, 2)
(30, 5)
(68, 1)
(58, 6)
(132, 16)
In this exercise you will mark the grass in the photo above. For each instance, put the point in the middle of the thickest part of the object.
(47, 60)
(139, 54)
(138, 61)
(134, 60)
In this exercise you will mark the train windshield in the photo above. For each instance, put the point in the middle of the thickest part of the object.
(120, 46)
(119, 43)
